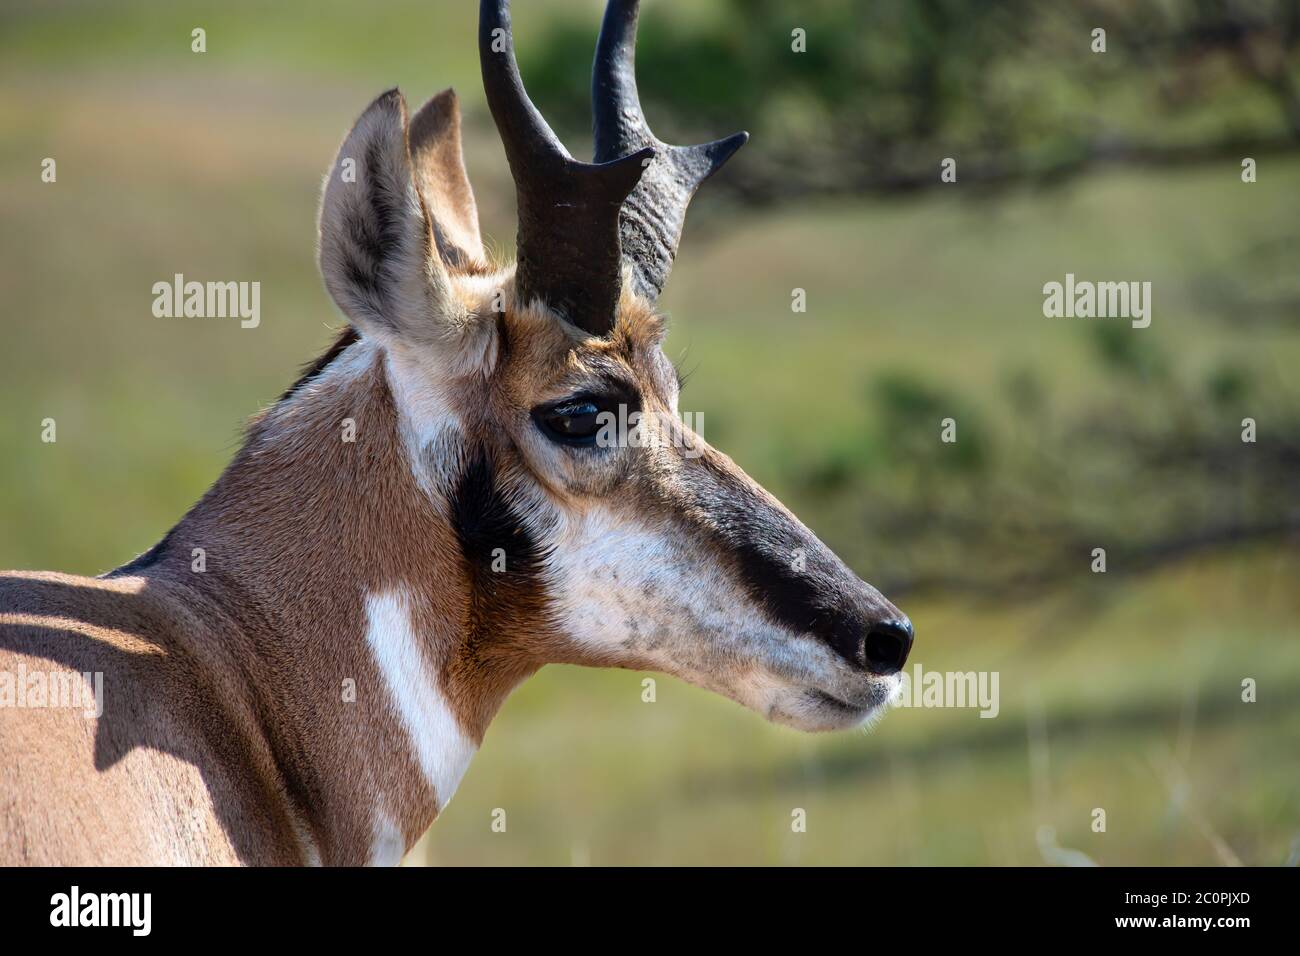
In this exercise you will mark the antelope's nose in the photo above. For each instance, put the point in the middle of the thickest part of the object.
(887, 645)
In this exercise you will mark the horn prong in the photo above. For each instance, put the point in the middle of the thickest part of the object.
(650, 227)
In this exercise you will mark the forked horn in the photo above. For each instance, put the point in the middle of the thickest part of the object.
(568, 241)
(651, 223)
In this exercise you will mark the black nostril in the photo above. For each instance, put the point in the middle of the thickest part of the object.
(887, 646)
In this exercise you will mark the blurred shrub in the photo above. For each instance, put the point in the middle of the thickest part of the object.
(1151, 476)
(886, 88)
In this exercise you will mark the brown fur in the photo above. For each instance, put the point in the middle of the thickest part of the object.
(265, 622)
(217, 679)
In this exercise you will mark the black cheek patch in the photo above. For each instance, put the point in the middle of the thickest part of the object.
(502, 559)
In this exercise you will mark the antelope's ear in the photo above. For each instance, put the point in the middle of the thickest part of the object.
(376, 240)
(439, 167)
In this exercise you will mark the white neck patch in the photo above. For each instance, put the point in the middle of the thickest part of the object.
(441, 746)
(387, 846)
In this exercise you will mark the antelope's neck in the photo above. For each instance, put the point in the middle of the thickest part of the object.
(328, 545)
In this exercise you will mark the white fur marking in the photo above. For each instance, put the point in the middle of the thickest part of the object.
(620, 586)
(426, 421)
(441, 746)
(388, 845)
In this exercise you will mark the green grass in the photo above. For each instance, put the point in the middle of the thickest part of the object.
(404, 40)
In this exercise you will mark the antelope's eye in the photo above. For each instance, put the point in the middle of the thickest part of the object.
(574, 421)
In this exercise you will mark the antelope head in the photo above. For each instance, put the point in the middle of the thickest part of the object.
(657, 553)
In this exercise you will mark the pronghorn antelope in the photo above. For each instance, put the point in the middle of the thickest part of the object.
(473, 530)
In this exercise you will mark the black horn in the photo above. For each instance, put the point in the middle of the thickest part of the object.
(651, 222)
(569, 253)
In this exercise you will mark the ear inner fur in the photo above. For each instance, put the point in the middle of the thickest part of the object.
(439, 167)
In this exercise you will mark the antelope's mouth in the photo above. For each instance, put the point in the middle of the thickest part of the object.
(831, 702)
(822, 709)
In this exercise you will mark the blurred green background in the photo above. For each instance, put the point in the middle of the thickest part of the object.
(924, 301)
